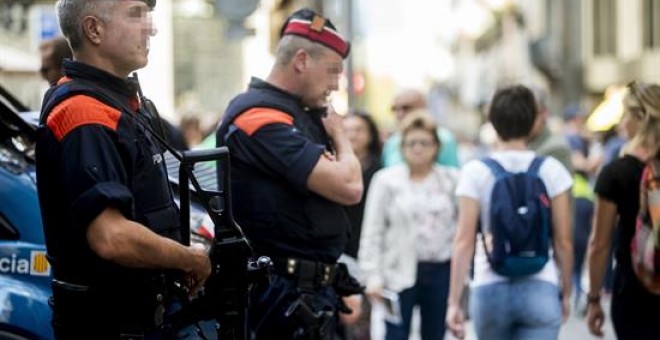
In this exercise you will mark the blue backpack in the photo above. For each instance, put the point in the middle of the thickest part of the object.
(520, 221)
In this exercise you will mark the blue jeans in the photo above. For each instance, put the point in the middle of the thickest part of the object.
(516, 309)
(430, 293)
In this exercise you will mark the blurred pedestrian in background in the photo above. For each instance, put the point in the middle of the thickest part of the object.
(583, 194)
(364, 136)
(363, 133)
(408, 228)
(528, 307)
(606, 121)
(191, 130)
(542, 140)
(53, 52)
(404, 103)
(635, 311)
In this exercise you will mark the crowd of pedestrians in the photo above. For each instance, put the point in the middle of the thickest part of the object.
(424, 230)
(424, 213)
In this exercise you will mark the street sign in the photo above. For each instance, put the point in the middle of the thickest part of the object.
(43, 24)
(48, 22)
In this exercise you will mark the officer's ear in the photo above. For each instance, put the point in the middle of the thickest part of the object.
(300, 61)
(92, 28)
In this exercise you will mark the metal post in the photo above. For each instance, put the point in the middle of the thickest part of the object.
(349, 60)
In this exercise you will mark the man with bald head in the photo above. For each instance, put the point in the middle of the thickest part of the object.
(405, 102)
(110, 221)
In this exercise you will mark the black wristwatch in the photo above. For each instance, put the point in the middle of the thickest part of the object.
(593, 298)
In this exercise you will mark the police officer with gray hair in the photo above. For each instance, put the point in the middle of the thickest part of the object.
(110, 221)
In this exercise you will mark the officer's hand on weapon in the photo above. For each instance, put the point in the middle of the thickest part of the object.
(354, 303)
(199, 270)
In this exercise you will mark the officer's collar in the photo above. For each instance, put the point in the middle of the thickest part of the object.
(76, 69)
(257, 83)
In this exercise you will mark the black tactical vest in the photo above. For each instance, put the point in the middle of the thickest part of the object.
(153, 201)
(280, 221)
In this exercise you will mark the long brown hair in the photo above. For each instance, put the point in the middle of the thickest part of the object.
(645, 99)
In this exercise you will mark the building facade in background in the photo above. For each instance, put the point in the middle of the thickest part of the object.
(206, 50)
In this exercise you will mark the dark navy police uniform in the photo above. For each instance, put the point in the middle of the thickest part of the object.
(274, 145)
(92, 154)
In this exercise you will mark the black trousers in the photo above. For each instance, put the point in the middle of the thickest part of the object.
(280, 310)
(80, 314)
(635, 311)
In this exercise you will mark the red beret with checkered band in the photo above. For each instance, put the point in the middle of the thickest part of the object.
(308, 24)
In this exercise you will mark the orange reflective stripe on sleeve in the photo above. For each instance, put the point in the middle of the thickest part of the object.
(81, 110)
(254, 119)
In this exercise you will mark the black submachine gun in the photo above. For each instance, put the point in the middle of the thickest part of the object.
(234, 267)
(225, 294)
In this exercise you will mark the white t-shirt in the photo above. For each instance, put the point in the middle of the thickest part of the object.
(476, 181)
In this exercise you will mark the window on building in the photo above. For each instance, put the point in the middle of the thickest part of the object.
(651, 23)
(604, 29)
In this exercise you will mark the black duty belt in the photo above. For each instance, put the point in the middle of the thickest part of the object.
(308, 273)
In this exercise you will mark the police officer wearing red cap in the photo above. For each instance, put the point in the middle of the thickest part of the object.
(293, 171)
(110, 221)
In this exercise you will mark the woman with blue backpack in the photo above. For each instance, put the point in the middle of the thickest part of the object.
(514, 217)
(628, 205)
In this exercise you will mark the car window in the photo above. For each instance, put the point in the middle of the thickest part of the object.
(7, 232)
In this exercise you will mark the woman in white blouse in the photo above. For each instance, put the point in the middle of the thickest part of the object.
(408, 228)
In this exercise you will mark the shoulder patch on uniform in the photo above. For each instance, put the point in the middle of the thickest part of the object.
(254, 119)
(81, 110)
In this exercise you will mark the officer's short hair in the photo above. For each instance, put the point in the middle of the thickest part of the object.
(71, 12)
(289, 45)
(513, 111)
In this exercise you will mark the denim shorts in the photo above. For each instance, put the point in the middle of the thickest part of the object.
(516, 309)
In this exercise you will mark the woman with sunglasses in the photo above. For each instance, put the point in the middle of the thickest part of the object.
(635, 311)
(407, 232)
